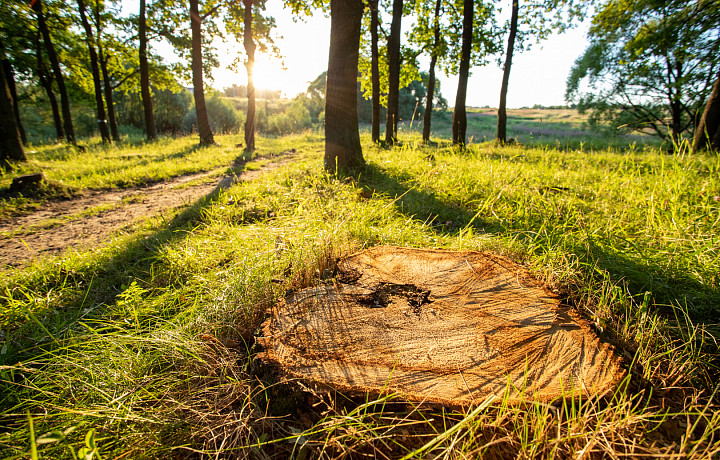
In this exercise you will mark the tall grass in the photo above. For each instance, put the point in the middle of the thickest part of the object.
(143, 348)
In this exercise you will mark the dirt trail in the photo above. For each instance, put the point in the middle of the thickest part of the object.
(31, 236)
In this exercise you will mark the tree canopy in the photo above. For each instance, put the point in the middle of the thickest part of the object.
(649, 66)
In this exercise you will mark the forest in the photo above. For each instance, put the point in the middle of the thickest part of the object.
(371, 267)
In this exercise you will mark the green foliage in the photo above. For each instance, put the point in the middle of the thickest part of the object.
(294, 119)
(221, 113)
(649, 65)
(170, 109)
(262, 28)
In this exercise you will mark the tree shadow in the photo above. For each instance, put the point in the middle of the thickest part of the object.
(637, 274)
(94, 289)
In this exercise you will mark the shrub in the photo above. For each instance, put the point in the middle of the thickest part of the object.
(295, 118)
(223, 116)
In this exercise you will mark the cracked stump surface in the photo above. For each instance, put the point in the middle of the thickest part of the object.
(445, 326)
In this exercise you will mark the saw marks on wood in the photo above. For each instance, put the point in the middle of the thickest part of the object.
(444, 326)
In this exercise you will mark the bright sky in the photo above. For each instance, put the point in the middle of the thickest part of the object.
(538, 76)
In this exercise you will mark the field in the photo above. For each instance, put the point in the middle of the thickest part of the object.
(561, 128)
(143, 346)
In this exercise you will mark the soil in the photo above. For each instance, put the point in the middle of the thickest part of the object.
(451, 327)
(28, 241)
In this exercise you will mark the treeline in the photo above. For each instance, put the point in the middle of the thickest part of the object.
(651, 65)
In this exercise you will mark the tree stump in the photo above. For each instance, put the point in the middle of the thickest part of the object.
(23, 183)
(450, 327)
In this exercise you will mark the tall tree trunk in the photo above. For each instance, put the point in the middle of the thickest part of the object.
(10, 77)
(11, 147)
(57, 72)
(375, 70)
(342, 137)
(249, 65)
(708, 130)
(393, 73)
(204, 130)
(427, 119)
(150, 129)
(674, 71)
(502, 112)
(46, 83)
(459, 120)
(100, 104)
(107, 86)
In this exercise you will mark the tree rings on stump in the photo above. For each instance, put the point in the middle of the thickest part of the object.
(434, 325)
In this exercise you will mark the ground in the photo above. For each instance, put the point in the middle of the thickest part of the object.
(93, 217)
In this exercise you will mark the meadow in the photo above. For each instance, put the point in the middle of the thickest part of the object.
(143, 347)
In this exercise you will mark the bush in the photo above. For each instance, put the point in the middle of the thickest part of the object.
(295, 118)
(223, 116)
(170, 108)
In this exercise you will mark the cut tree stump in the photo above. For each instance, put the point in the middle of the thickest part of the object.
(450, 327)
(22, 183)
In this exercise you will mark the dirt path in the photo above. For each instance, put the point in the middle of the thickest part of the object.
(92, 218)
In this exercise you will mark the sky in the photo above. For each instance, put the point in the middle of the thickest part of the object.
(538, 76)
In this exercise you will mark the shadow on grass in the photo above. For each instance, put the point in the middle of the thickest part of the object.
(637, 274)
(90, 292)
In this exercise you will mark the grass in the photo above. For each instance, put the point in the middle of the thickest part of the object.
(562, 129)
(142, 348)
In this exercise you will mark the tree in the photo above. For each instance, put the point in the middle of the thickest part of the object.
(539, 23)
(342, 137)
(46, 82)
(374, 65)
(57, 72)
(99, 102)
(150, 127)
(459, 36)
(10, 77)
(459, 119)
(707, 132)
(107, 86)
(11, 147)
(249, 65)
(426, 34)
(375, 69)
(204, 130)
(649, 66)
(502, 113)
(255, 28)
(393, 56)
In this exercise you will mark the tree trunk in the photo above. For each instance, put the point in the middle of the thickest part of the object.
(459, 120)
(57, 72)
(10, 77)
(150, 128)
(427, 119)
(393, 73)
(375, 70)
(100, 104)
(708, 130)
(502, 112)
(343, 151)
(249, 65)
(11, 146)
(46, 83)
(112, 120)
(204, 130)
